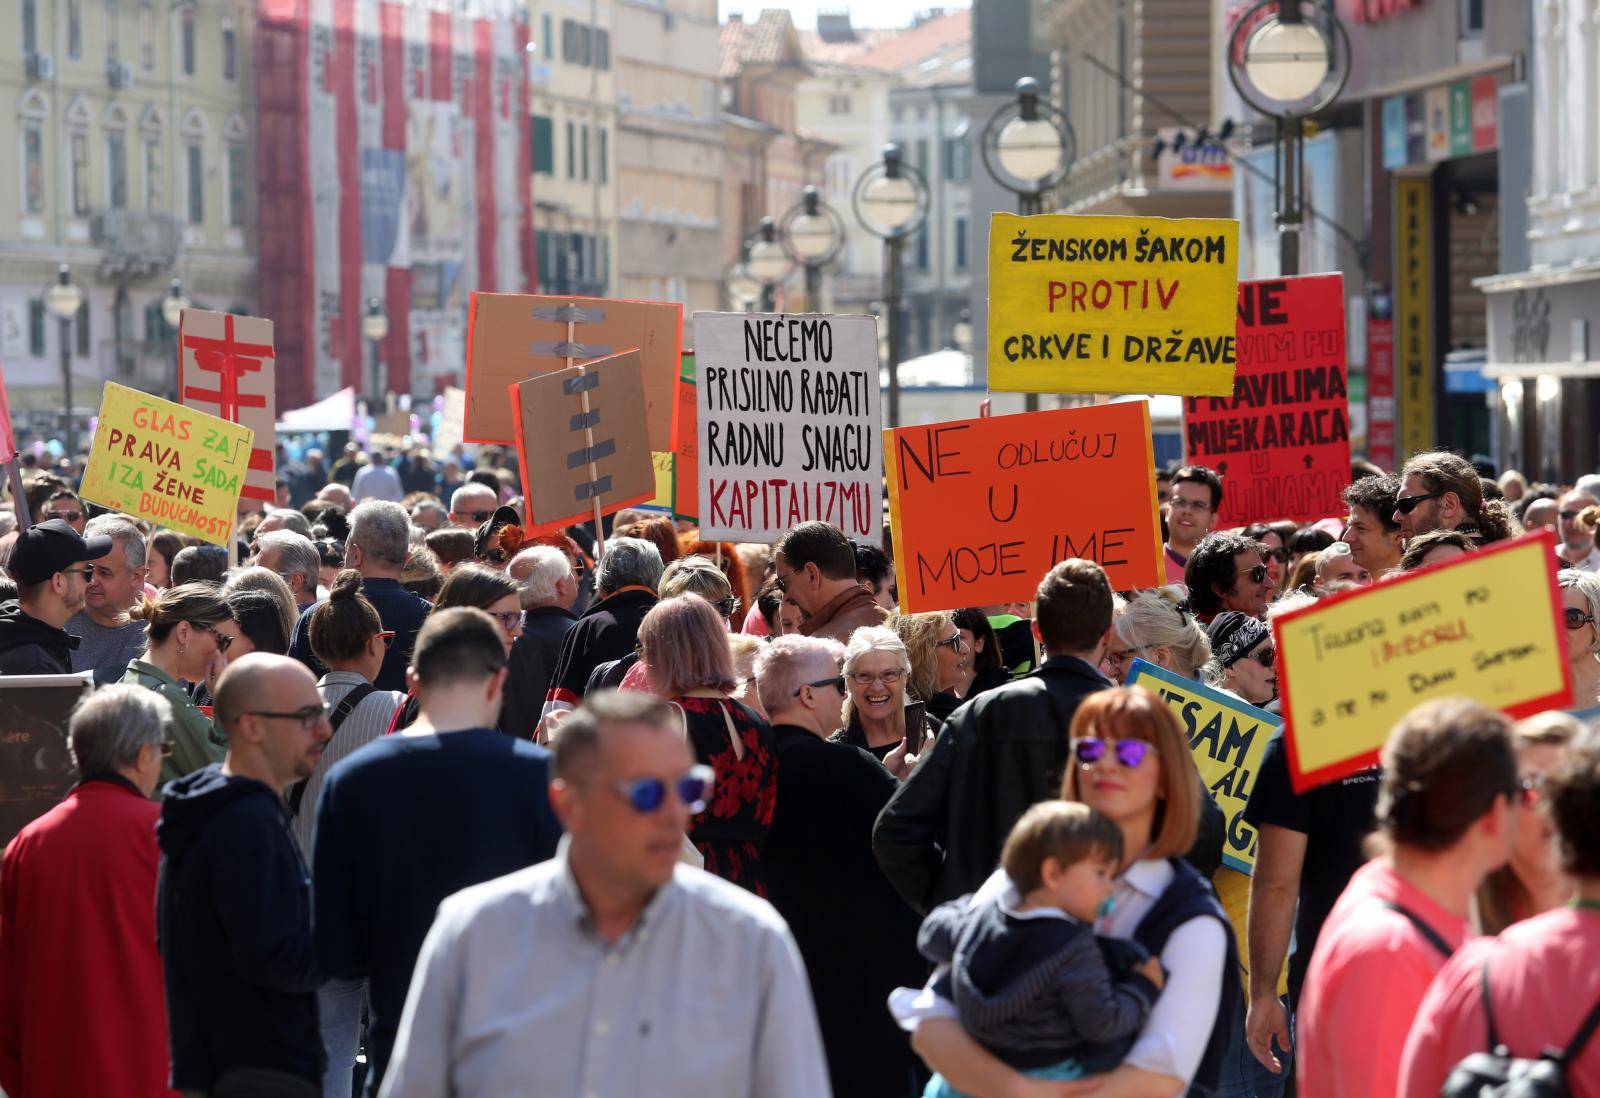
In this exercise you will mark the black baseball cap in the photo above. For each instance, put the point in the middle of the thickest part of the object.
(52, 546)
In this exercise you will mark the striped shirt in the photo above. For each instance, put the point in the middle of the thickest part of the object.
(366, 722)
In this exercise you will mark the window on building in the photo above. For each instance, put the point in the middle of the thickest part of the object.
(74, 29)
(230, 49)
(838, 104)
(81, 326)
(116, 170)
(957, 160)
(584, 143)
(186, 31)
(924, 329)
(543, 136)
(585, 44)
(33, 166)
(147, 35)
(921, 148)
(602, 49)
(113, 32)
(959, 234)
(601, 155)
(572, 151)
(152, 173)
(36, 327)
(195, 182)
(547, 28)
(1471, 18)
(237, 181)
(30, 26)
(78, 142)
(922, 248)
(569, 41)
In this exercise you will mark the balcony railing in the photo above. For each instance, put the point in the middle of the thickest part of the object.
(136, 243)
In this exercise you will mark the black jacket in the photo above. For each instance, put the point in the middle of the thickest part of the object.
(533, 665)
(939, 837)
(609, 630)
(233, 922)
(29, 646)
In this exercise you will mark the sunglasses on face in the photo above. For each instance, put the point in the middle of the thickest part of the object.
(955, 644)
(1264, 656)
(1128, 753)
(84, 572)
(1257, 573)
(67, 516)
(387, 637)
(1407, 504)
(1577, 619)
(781, 581)
(727, 607)
(1280, 554)
(837, 682)
(308, 716)
(476, 516)
(646, 795)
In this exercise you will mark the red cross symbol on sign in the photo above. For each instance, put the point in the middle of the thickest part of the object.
(230, 361)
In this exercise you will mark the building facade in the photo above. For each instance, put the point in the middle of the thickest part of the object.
(133, 133)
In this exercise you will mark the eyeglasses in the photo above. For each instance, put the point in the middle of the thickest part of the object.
(781, 582)
(1577, 619)
(837, 682)
(67, 516)
(1407, 504)
(956, 644)
(1264, 656)
(1125, 654)
(727, 607)
(224, 642)
(646, 795)
(1178, 503)
(509, 619)
(1257, 573)
(84, 572)
(1128, 753)
(476, 516)
(387, 637)
(867, 678)
(308, 716)
(1281, 554)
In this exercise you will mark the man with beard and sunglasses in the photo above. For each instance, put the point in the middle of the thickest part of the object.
(1228, 572)
(1441, 491)
(612, 969)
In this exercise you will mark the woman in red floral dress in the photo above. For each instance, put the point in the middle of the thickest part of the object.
(684, 642)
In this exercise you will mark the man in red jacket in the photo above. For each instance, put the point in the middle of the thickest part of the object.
(82, 1009)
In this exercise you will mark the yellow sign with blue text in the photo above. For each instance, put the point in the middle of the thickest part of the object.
(1227, 737)
(173, 465)
(1083, 304)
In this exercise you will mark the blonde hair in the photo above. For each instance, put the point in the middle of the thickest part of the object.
(1160, 618)
(695, 576)
(920, 634)
(684, 642)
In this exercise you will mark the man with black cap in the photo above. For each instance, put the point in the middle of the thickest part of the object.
(49, 565)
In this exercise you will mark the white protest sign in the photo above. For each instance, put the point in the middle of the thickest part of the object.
(789, 424)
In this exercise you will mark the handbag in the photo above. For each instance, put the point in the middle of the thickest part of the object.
(1498, 1074)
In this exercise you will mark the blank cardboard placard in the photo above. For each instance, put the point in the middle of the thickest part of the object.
(227, 368)
(562, 470)
(1485, 626)
(982, 508)
(512, 337)
(1082, 304)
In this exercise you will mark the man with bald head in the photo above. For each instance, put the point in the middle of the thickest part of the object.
(1577, 548)
(472, 505)
(233, 909)
(1541, 514)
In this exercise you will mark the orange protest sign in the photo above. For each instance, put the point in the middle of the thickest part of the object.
(981, 509)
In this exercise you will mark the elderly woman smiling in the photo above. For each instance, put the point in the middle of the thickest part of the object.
(878, 716)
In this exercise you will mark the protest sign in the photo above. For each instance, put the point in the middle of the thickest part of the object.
(1282, 441)
(1485, 626)
(512, 337)
(1227, 738)
(226, 368)
(176, 466)
(1112, 304)
(581, 438)
(35, 767)
(981, 509)
(789, 425)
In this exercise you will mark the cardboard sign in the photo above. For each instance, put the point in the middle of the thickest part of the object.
(1227, 738)
(512, 337)
(581, 435)
(36, 768)
(789, 425)
(226, 368)
(176, 466)
(1282, 441)
(982, 508)
(1485, 626)
(1112, 304)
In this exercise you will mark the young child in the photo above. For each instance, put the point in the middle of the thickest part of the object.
(1029, 979)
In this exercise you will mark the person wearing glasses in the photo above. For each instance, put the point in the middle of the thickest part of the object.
(611, 968)
(879, 717)
(1193, 502)
(412, 818)
(1242, 658)
(233, 906)
(1580, 603)
(684, 576)
(940, 659)
(107, 637)
(472, 505)
(77, 917)
(1532, 881)
(1227, 572)
(65, 505)
(1275, 551)
(1442, 491)
(1577, 548)
(819, 849)
(815, 565)
(52, 565)
(189, 630)
(1156, 626)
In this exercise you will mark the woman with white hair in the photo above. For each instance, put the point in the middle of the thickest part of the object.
(878, 716)
(1580, 605)
(1156, 626)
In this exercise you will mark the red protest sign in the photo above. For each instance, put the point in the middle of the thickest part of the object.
(226, 368)
(1282, 441)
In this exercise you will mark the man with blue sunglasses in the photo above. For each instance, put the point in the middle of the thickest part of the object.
(612, 969)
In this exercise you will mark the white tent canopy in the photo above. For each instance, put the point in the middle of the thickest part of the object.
(334, 413)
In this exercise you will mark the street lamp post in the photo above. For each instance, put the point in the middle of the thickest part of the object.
(891, 202)
(768, 263)
(64, 299)
(375, 326)
(1289, 59)
(814, 233)
(173, 305)
(741, 289)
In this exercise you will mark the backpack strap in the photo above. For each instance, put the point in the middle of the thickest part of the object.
(1581, 1038)
(1433, 936)
(1488, 1008)
(346, 706)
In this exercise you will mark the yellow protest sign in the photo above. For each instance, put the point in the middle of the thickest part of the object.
(1112, 304)
(1227, 738)
(173, 465)
(1485, 626)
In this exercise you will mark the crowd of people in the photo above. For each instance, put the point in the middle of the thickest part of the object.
(394, 797)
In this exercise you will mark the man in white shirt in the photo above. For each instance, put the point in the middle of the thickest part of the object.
(377, 479)
(611, 970)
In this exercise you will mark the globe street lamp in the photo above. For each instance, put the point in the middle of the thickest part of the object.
(891, 202)
(375, 327)
(1289, 59)
(814, 233)
(64, 299)
(173, 305)
(1028, 147)
(768, 263)
(741, 289)
(961, 334)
